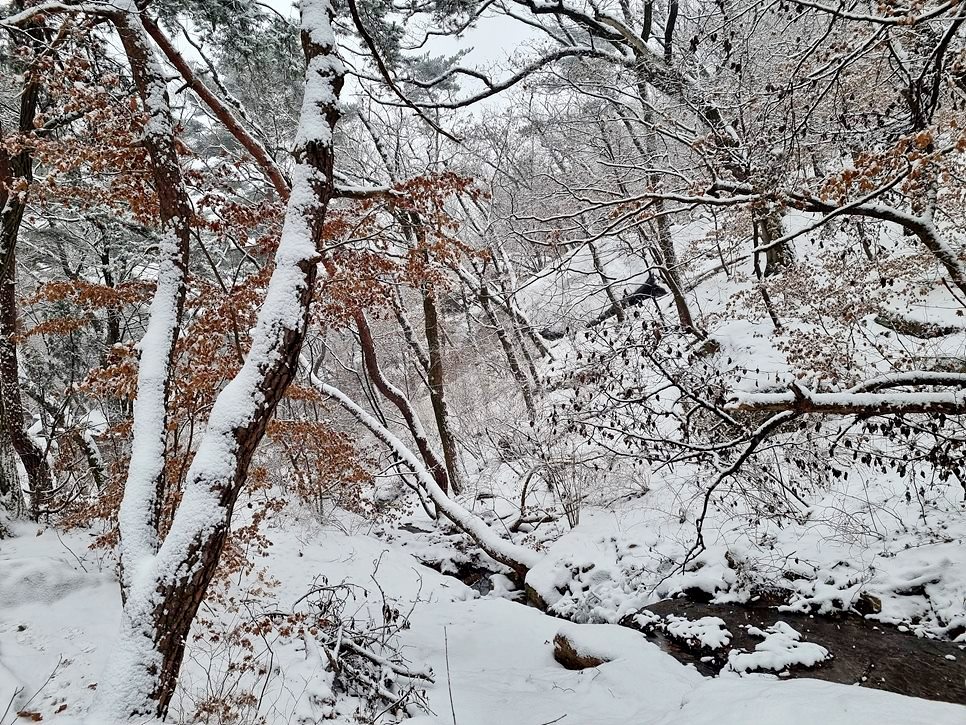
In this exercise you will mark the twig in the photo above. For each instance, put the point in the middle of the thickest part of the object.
(449, 681)
(76, 558)
(40, 689)
(556, 719)
(10, 704)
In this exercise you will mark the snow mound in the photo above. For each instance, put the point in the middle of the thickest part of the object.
(40, 579)
(706, 632)
(601, 570)
(781, 648)
(605, 642)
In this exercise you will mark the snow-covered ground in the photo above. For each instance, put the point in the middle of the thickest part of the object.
(491, 658)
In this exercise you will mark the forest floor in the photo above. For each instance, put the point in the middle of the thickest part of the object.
(492, 658)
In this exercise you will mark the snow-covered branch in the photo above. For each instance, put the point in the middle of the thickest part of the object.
(859, 400)
(517, 557)
(222, 112)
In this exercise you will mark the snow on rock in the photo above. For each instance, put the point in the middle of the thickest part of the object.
(502, 670)
(706, 632)
(619, 560)
(621, 647)
(599, 571)
(596, 644)
(780, 649)
(710, 573)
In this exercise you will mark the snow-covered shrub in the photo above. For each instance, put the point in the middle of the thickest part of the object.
(330, 655)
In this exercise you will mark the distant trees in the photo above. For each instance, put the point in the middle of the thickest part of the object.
(745, 144)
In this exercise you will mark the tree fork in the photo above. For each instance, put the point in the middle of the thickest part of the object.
(168, 587)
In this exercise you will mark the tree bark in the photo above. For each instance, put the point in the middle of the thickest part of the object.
(663, 250)
(777, 256)
(144, 497)
(14, 171)
(437, 388)
(170, 585)
(12, 504)
(395, 396)
(515, 369)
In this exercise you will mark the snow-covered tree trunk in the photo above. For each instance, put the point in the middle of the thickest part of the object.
(144, 488)
(166, 589)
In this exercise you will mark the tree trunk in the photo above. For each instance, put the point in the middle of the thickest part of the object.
(515, 369)
(777, 256)
(437, 388)
(144, 490)
(169, 586)
(12, 504)
(395, 396)
(663, 250)
(519, 558)
(669, 270)
(13, 170)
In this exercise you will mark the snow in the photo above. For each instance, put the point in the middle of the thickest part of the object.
(58, 616)
(708, 632)
(922, 401)
(493, 656)
(851, 540)
(502, 669)
(781, 647)
(804, 702)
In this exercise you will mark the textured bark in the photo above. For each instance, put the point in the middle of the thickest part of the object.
(179, 598)
(16, 170)
(170, 585)
(519, 558)
(395, 396)
(669, 270)
(608, 283)
(437, 388)
(777, 256)
(12, 504)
